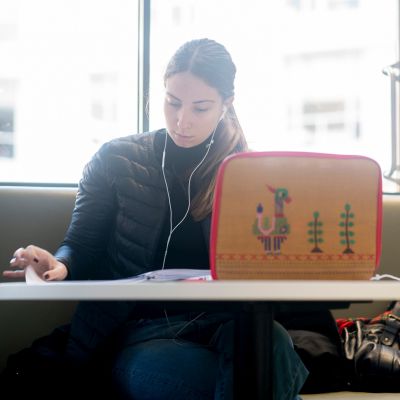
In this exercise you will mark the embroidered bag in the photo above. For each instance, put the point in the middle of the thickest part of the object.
(293, 215)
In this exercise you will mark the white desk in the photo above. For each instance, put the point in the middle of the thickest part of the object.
(258, 298)
(249, 291)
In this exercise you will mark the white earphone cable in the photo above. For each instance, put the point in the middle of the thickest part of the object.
(172, 229)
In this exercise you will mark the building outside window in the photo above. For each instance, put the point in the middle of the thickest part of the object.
(7, 118)
(309, 72)
(74, 64)
(309, 75)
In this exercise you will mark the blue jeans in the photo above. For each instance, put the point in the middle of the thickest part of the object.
(189, 357)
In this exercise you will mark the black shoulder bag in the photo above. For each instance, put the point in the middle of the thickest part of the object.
(371, 347)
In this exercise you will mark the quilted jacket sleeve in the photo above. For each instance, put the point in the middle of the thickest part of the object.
(85, 243)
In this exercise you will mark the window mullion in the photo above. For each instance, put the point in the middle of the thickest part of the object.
(143, 64)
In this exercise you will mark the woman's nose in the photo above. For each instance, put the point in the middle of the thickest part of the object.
(183, 120)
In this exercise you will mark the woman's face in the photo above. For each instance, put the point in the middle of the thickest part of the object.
(192, 109)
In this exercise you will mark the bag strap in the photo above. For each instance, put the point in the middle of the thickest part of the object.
(392, 327)
(395, 308)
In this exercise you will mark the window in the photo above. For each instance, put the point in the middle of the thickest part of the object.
(68, 83)
(6, 132)
(314, 4)
(331, 121)
(7, 119)
(309, 72)
(309, 75)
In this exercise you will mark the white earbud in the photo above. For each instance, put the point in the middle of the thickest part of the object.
(210, 143)
(224, 109)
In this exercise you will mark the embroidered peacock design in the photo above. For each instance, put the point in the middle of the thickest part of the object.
(272, 232)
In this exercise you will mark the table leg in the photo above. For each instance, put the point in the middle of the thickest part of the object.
(253, 363)
(263, 347)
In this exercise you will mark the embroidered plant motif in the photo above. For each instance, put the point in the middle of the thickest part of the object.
(315, 232)
(346, 233)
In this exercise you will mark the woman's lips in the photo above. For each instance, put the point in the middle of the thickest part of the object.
(183, 139)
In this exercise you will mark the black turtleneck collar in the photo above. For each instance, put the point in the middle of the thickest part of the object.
(183, 159)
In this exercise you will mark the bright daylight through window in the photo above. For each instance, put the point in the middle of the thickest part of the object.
(309, 75)
(68, 83)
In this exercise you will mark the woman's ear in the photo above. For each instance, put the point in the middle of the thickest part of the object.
(224, 110)
(225, 106)
(228, 102)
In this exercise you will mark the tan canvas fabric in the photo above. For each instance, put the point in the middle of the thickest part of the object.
(297, 216)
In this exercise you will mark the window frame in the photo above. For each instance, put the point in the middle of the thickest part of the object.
(143, 54)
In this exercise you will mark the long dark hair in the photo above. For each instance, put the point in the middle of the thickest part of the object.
(211, 62)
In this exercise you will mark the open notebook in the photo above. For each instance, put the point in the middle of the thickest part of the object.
(291, 215)
(161, 275)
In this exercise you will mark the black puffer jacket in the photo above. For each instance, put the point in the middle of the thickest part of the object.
(119, 211)
(115, 231)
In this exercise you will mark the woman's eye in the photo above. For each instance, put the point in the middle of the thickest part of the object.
(200, 110)
(173, 104)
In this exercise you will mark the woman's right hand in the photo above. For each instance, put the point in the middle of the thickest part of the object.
(43, 262)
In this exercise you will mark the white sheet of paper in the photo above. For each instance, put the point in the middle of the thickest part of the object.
(162, 275)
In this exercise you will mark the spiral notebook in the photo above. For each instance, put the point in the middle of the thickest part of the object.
(295, 215)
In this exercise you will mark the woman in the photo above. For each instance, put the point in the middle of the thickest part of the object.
(144, 202)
